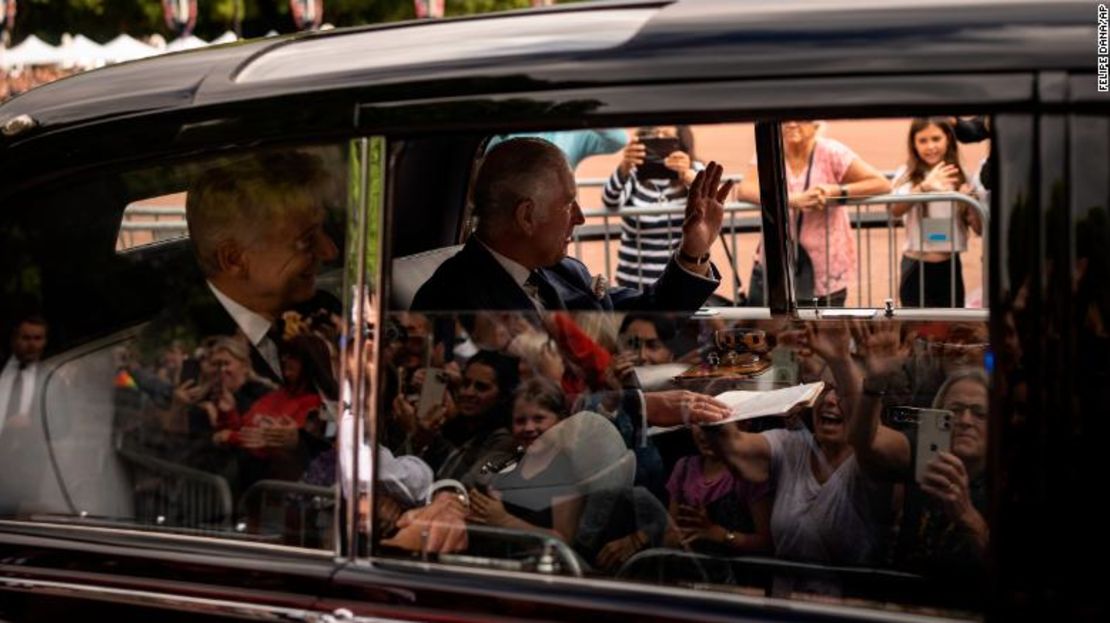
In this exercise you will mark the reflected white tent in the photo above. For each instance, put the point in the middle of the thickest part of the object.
(127, 48)
(81, 51)
(227, 37)
(186, 43)
(32, 51)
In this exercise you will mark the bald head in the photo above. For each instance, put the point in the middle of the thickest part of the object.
(516, 170)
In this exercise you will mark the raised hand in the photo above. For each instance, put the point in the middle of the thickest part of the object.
(830, 341)
(942, 177)
(881, 345)
(705, 210)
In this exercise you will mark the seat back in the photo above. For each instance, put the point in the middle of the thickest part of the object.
(412, 271)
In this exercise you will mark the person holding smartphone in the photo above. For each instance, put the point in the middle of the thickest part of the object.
(943, 530)
(656, 170)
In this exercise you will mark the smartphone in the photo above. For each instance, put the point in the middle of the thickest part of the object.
(190, 370)
(431, 393)
(934, 433)
(656, 151)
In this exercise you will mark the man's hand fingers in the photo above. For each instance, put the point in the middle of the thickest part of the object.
(695, 190)
(725, 191)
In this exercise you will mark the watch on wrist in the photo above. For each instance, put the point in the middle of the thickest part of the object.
(685, 257)
(730, 537)
(843, 193)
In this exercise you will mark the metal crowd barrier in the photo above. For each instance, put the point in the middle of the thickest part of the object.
(858, 221)
(732, 228)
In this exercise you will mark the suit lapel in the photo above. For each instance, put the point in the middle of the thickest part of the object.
(214, 320)
(498, 289)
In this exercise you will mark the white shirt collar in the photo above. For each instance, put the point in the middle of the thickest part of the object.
(253, 325)
(7, 383)
(515, 269)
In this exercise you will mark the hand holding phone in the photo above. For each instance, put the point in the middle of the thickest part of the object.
(432, 391)
(656, 151)
(934, 434)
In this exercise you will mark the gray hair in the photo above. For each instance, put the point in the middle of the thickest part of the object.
(513, 171)
(230, 202)
(964, 374)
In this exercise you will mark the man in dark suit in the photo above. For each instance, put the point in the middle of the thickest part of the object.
(526, 206)
(257, 228)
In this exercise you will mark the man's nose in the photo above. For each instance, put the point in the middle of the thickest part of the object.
(578, 218)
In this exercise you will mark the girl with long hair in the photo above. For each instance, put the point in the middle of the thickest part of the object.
(932, 275)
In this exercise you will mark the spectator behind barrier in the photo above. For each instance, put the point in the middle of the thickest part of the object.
(933, 167)
(649, 240)
(820, 174)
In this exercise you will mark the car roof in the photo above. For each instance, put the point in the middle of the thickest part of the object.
(575, 46)
(734, 38)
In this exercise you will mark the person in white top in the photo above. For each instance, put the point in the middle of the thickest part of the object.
(936, 232)
(20, 372)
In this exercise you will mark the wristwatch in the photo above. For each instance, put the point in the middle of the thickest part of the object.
(685, 257)
(730, 537)
(843, 194)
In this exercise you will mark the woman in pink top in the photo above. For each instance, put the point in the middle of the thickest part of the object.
(820, 173)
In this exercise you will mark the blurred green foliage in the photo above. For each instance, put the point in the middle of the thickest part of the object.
(102, 20)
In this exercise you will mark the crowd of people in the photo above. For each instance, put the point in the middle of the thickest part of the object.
(658, 165)
(832, 485)
(16, 82)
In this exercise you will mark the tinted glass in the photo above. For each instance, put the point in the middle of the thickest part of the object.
(189, 386)
(539, 419)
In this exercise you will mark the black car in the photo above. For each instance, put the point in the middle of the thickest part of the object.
(225, 398)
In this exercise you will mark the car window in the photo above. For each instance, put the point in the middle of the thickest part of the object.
(190, 386)
(569, 425)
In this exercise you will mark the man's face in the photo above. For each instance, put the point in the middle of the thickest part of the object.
(283, 262)
(641, 338)
(28, 342)
(559, 215)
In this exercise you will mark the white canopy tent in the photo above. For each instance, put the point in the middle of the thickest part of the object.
(186, 43)
(127, 48)
(32, 51)
(80, 51)
(227, 37)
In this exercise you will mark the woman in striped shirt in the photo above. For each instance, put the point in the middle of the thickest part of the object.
(649, 180)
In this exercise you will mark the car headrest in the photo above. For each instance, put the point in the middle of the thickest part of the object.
(411, 271)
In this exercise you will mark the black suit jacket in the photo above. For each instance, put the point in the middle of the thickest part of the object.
(473, 280)
(198, 315)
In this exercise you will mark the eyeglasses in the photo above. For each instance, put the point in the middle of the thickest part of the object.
(979, 411)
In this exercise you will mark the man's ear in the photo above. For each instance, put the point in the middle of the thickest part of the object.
(526, 216)
(231, 258)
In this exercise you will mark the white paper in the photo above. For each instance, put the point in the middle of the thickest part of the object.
(659, 376)
(747, 405)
